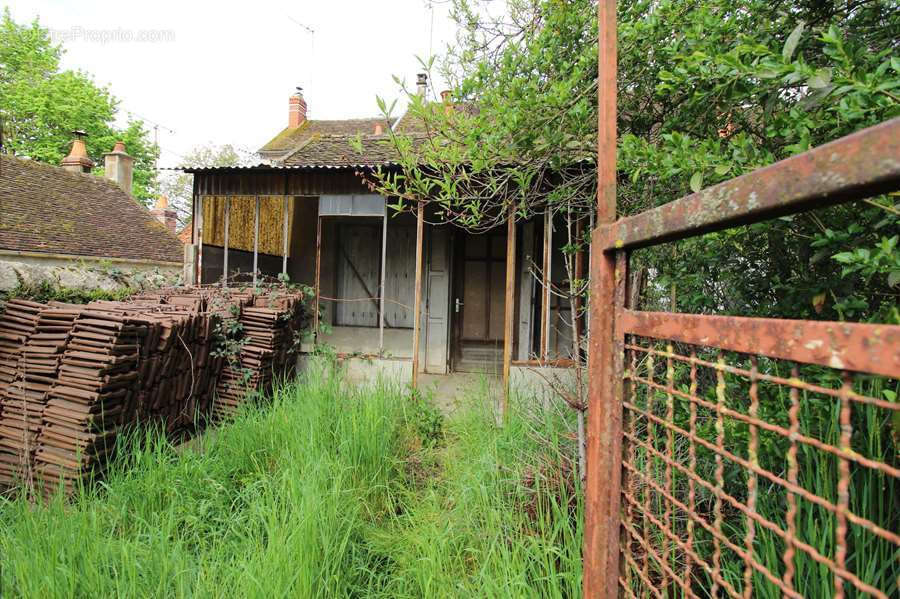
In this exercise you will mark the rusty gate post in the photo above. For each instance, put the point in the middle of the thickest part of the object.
(601, 536)
(509, 307)
(417, 307)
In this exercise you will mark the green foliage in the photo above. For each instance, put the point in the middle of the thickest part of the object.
(328, 491)
(707, 91)
(40, 106)
(46, 292)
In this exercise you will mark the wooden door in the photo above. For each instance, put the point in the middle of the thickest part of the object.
(359, 275)
(478, 303)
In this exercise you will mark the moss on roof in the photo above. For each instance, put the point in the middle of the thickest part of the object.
(45, 208)
(290, 139)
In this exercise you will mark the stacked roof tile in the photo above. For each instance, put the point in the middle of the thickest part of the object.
(75, 377)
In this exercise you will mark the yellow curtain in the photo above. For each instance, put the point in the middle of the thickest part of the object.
(240, 228)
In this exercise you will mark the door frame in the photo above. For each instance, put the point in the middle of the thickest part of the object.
(457, 274)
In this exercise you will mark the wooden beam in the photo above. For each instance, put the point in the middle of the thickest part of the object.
(579, 276)
(545, 289)
(417, 304)
(200, 240)
(318, 275)
(384, 223)
(510, 306)
(225, 255)
(608, 273)
(255, 240)
(284, 235)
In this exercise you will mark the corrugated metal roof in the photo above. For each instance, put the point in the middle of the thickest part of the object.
(262, 167)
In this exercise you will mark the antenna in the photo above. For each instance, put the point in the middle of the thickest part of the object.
(312, 48)
(156, 127)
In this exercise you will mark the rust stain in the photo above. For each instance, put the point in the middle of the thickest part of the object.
(854, 167)
(871, 348)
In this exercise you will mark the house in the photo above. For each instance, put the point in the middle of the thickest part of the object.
(67, 227)
(309, 214)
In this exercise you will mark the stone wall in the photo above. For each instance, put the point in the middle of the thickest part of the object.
(32, 270)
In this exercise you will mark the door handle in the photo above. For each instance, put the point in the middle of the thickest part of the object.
(458, 304)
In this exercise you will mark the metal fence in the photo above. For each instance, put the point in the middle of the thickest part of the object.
(734, 456)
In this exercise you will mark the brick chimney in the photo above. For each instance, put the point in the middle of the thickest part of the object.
(163, 214)
(422, 83)
(296, 109)
(119, 166)
(77, 161)
(446, 98)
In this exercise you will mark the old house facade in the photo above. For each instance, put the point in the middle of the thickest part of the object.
(309, 214)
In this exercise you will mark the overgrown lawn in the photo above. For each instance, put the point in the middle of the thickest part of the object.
(326, 491)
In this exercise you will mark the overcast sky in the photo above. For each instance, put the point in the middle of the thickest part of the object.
(222, 72)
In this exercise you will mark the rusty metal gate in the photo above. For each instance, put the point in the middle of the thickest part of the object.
(731, 456)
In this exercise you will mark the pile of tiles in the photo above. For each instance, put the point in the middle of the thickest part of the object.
(267, 352)
(72, 378)
(17, 323)
(24, 399)
(89, 399)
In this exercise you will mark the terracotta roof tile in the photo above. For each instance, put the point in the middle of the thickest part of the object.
(44, 208)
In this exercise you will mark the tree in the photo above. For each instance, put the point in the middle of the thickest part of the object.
(40, 106)
(707, 91)
(178, 186)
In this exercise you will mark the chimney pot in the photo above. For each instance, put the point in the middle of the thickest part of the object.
(378, 129)
(422, 83)
(77, 161)
(162, 213)
(119, 167)
(296, 109)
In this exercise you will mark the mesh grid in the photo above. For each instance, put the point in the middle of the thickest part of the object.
(745, 476)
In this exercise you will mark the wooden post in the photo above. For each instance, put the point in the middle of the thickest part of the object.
(225, 254)
(417, 304)
(604, 430)
(255, 240)
(284, 235)
(510, 306)
(545, 289)
(200, 240)
(579, 275)
(381, 304)
(318, 273)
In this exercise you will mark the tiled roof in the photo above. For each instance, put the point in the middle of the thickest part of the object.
(340, 150)
(187, 232)
(290, 139)
(44, 208)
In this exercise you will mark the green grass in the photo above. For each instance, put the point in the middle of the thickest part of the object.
(327, 491)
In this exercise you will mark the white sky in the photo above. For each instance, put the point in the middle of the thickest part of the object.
(222, 72)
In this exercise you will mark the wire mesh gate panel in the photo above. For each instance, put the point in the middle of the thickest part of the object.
(746, 457)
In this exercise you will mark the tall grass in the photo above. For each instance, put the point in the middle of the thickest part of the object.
(326, 491)
(502, 519)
